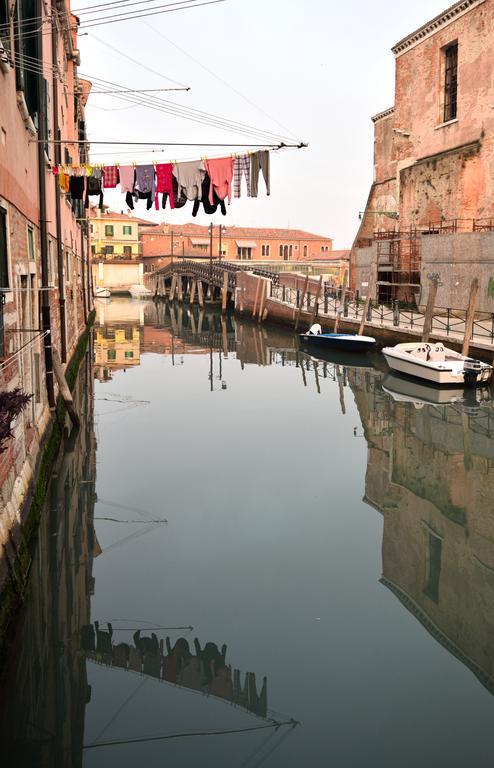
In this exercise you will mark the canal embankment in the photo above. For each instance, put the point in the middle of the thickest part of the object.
(295, 302)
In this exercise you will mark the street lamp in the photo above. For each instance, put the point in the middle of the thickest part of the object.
(222, 231)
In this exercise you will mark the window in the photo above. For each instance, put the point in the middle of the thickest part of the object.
(129, 355)
(109, 230)
(244, 254)
(4, 264)
(68, 275)
(434, 558)
(93, 250)
(5, 24)
(290, 252)
(109, 249)
(265, 250)
(199, 247)
(305, 251)
(111, 354)
(26, 49)
(92, 229)
(450, 82)
(127, 230)
(281, 251)
(51, 264)
(4, 273)
(30, 244)
(127, 251)
(285, 253)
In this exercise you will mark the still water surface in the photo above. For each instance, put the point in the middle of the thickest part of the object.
(249, 557)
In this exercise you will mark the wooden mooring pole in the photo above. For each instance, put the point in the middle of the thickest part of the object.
(343, 296)
(302, 299)
(258, 287)
(470, 317)
(316, 303)
(429, 310)
(368, 299)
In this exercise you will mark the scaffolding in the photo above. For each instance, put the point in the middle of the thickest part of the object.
(398, 265)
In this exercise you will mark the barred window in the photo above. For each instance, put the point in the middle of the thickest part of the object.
(451, 82)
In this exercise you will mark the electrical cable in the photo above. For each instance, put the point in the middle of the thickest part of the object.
(99, 8)
(158, 11)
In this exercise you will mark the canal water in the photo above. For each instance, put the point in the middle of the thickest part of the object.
(250, 556)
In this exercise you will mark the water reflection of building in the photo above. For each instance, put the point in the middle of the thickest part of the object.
(431, 474)
(43, 699)
(117, 336)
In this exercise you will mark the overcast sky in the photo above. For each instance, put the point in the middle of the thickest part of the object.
(318, 68)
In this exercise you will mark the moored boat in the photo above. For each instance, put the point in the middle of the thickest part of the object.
(102, 293)
(140, 292)
(437, 364)
(345, 342)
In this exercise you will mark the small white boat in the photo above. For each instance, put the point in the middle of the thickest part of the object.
(346, 342)
(140, 292)
(102, 293)
(437, 364)
(420, 393)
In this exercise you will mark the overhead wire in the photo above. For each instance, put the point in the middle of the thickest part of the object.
(217, 77)
(100, 6)
(157, 11)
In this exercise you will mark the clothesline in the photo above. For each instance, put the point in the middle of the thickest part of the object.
(206, 181)
(280, 145)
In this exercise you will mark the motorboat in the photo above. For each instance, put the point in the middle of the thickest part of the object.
(140, 292)
(102, 293)
(345, 342)
(437, 364)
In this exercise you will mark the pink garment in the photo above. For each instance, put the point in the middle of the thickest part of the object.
(164, 183)
(221, 174)
(127, 175)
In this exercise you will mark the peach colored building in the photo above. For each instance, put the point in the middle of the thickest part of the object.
(237, 244)
(431, 205)
(44, 260)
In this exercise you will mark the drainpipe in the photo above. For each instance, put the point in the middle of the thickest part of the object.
(85, 296)
(58, 214)
(45, 295)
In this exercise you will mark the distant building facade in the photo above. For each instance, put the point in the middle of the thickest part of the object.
(115, 249)
(430, 209)
(192, 241)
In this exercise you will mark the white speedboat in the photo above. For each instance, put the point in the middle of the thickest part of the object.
(437, 364)
(102, 293)
(140, 292)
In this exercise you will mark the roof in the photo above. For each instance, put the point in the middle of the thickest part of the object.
(431, 27)
(330, 256)
(252, 233)
(113, 216)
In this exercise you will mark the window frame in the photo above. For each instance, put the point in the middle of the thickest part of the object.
(129, 227)
(109, 233)
(450, 82)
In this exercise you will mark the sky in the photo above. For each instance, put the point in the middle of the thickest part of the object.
(316, 71)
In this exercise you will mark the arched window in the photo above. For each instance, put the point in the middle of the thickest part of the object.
(290, 252)
(285, 253)
(281, 251)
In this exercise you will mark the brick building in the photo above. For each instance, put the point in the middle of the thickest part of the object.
(192, 241)
(431, 205)
(44, 260)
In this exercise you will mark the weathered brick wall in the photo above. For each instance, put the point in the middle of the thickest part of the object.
(458, 259)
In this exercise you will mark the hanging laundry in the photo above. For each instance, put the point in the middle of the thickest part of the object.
(76, 187)
(94, 186)
(208, 208)
(144, 187)
(241, 167)
(110, 176)
(179, 197)
(64, 182)
(127, 175)
(259, 161)
(164, 183)
(221, 173)
(189, 176)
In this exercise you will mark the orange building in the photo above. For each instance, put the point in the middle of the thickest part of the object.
(192, 241)
(44, 260)
(431, 206)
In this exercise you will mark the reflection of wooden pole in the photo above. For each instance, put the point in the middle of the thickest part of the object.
(193, 291)
(318, 294)
(256, 298)
(200, 294)
(469, 320)
(225, 338)
(64, 388)
(431, 301)
(342, 391)
(225, 292)
(467, 443)
(180, 288)
(316, 374)
(302, 299)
